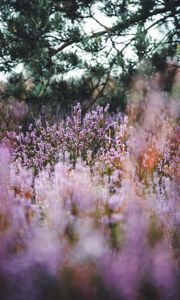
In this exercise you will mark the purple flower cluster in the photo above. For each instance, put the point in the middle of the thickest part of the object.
(89, 209)
(45, 144)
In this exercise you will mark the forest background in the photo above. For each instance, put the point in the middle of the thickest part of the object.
(85, 51)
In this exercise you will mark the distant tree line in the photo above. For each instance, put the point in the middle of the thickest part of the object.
(64, 63)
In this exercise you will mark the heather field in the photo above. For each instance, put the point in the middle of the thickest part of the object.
(90, 206)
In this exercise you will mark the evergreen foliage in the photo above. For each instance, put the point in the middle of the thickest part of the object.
(50, 38)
